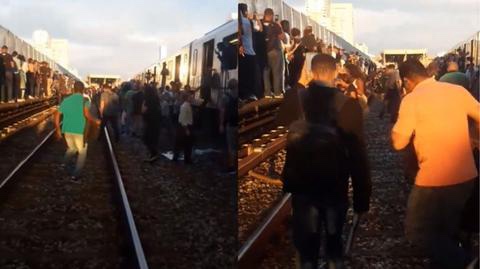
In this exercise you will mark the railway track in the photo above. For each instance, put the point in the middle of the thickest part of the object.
(48, 221)
(270, 218)
(15, 117)
(13, 113)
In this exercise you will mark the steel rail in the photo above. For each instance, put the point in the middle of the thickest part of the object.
(137, 248)
(26, 159)
(251, 249)
(22, 113)
(252, 160)
(141, 262)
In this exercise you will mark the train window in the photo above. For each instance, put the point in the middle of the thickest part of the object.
(194, 65)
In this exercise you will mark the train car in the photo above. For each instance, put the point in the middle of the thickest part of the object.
(99, 80)
(194, 63)
(471, 46)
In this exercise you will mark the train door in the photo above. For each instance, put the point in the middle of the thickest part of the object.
(207, 59)
(178, 62)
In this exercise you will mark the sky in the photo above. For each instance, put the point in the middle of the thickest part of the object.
(436, 25)
(122, 37)
(118, 37)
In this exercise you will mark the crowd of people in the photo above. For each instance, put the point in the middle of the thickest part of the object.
(142, 110)
(22, 78)
(272, 56)
(433, 110)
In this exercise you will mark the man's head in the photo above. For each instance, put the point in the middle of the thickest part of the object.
(107, 87)
(78, 87)
(452, 67)
(285, 26)
(268, 15)
(412, 72)
(186, 96)
(4, 49)
(324, 69)
(307, 31)
(296, 33)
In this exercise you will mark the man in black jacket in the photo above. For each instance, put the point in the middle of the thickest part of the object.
(324, 150)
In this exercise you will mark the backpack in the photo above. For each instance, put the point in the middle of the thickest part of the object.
(317, 157)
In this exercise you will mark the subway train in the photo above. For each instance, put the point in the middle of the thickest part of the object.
(471, 45)
(195, 63)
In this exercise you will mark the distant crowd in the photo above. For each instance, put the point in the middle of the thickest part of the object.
(272, 55)
(142, 110)
(22, 79)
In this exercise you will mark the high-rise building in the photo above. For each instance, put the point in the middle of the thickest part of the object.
(341, 20)
(319, 10)
(57, 49)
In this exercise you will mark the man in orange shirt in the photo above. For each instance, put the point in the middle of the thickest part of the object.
(436, 114)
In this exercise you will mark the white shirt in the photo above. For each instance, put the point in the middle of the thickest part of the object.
(25, 67)
(185, 117)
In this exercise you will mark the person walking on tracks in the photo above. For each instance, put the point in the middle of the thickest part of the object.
(74, 113)
(324, 148)
(436, 115)
(110, 109)
(151, 118)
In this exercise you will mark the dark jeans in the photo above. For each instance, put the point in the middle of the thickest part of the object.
(433, 220)
(16, 86)
(185, 142)
(30, 84)
(247, 76)
(310, 218)
(6, 91)
(150, 137)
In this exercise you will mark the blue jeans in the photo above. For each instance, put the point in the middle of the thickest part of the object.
(310, 218)
(433, 221)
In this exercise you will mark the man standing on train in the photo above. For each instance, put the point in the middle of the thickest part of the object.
(273, 73)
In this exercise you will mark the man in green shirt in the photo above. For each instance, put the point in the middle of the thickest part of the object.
(454, 76)
(75, 112)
